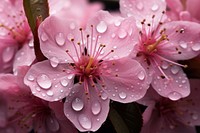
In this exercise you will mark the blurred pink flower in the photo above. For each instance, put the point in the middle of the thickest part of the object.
(25, 112)
(165, 116)
(184, 10)
(88, 67)
(160, 43)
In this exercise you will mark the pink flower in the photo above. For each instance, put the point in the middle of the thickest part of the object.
(87, 67)
(184, 10)
(165, 116)
(14, 32)
(160, 43)
(26, 112)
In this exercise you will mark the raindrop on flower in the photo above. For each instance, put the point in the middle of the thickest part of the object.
(195, 116)
(54, 62)
(85, 122)
(196, 47)
(64, 82)
(174, 96)
(122, 33)
(77, 104)
(44, 81)
(174, 69)
(96, 108)
(101, 27)
(44, 37)
(141, 76)
(31, 78)
(139, 6)
(183, 44)
(60, 39)
(50, 93)
(8, 54)
(122, 95)
(154, 7)
(104, 96)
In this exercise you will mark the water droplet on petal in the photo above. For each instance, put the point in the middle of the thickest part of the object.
(70, 76)
(96, 108)
(101, 27)
(165, 65)
(183, 44)
(104, 96)
(38, 89)
(85, 122)
(139, 6)
(154, 7)
(54, 62)
(31, 78)
(44, 81)
(44, 37)
(141, 76)
(175, 69)
(77, 104)
(117, 23)
(122, 95)
(60, 39)
(64, 82)
(50, 93)
(174, 96)
(196, 47)
(8, 54)
(122, 33)
(195, 116)
(52, 124)
(72, 26)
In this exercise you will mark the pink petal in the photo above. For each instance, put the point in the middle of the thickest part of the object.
(115, 32)
(56, 40)
(175, 5)
(189, 106)
(174, 85)
(143, 9)
(48, 83)
(184, 40)
(125, 81)
(193, 7)
(24, 57)
(86, 112)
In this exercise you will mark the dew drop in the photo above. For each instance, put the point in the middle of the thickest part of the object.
(96, 108)
(70, 76)
(117, 23)
(154, 7)
(72, 26)
(113, 35)
(122, 95)
(85, 122)
(174, 96)
(141, 76)
(101, 27)
(44, 37)
(165, 65)
(60, 39)
(174, 69)
(122, 33)
(38, 89)
(196, 47)
(183, 44)
(195, 116)
(139, 6)
(44, 81)
(50, 93)
(52, 124)
(77, 104)
(104, 96)
(64, 82)
(8, 54)
(54, 62)
(31, 78)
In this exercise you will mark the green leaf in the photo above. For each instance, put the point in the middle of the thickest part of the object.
(126, 118)
(36, 11)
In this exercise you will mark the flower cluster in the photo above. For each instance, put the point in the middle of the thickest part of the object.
(94, 57)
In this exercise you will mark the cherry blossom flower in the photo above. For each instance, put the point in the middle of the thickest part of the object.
(14, 32)
(87, 67)
(25, 112)
(165, 116)
(161, 43)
